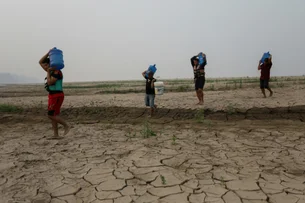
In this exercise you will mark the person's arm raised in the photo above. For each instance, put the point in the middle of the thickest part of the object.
(259, 66)
(192, 61)
(143, 74)
(42, 60)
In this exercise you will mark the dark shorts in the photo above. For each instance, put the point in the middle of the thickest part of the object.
(264, 84)
(54, 103)
(150, 100)
(199, 83)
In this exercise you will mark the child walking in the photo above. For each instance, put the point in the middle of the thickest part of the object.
(56, 95)
(265, 68)
(199, 76)
(150, 92)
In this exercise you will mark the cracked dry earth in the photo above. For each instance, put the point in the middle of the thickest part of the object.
(228, 162)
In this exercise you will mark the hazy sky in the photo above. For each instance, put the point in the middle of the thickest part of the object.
(118, 39)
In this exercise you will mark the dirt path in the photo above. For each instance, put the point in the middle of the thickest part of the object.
(216, 100)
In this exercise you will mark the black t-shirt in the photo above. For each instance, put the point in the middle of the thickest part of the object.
(198, 69)
(149, 89)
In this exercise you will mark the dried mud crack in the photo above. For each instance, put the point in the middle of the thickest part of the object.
(250, 156)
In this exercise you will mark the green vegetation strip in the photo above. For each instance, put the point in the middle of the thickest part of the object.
(92, 86)
(7, 108)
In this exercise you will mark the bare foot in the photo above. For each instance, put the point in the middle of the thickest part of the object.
(67, 130)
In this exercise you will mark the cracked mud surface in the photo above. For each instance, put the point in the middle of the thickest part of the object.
(253, 155)
(246, 161)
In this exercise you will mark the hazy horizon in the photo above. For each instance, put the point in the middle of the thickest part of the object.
(117, 40)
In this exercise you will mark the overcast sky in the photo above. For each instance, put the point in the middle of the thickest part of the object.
(118, 39)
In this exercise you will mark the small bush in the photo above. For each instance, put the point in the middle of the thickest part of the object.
(212, 87)
(92, 86)
(240, 83)
(281, 84)
(147, 131)
(174, 140)
(182, 88)
(231, 109)
(199, 116)
(7, 108)
(163, 180)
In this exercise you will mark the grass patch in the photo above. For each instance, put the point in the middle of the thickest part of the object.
(147, 131)
(280, 84)
(182, 88)
(231, 109)
(93, 86)
(7, 108)
(174, 138)
(199, 116)
(212, 87)
(163, 180)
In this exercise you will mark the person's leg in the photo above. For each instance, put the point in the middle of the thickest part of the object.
(57, 119)
(200, 97)
(53, 114)
(147, 101)
(155, 106)
(200, 88)
(196, 89)
(57, 112)
(268, 88)
(55, 128)
(262, 86)
(271, 92)
(152, 104)
(263, 91)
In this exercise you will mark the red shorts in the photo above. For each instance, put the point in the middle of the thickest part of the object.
(54, 103)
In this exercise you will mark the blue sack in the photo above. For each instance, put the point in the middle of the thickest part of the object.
(201, 59)
(151, 68)
(56, 59)
(265, 56)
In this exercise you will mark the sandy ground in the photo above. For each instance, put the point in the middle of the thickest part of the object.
(240, 161)
(217, 100)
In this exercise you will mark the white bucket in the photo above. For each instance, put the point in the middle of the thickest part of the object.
(159, 88)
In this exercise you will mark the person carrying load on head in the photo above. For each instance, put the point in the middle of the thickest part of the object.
(198, 64)
(53, 85)
(150, 91)
(265, 67)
